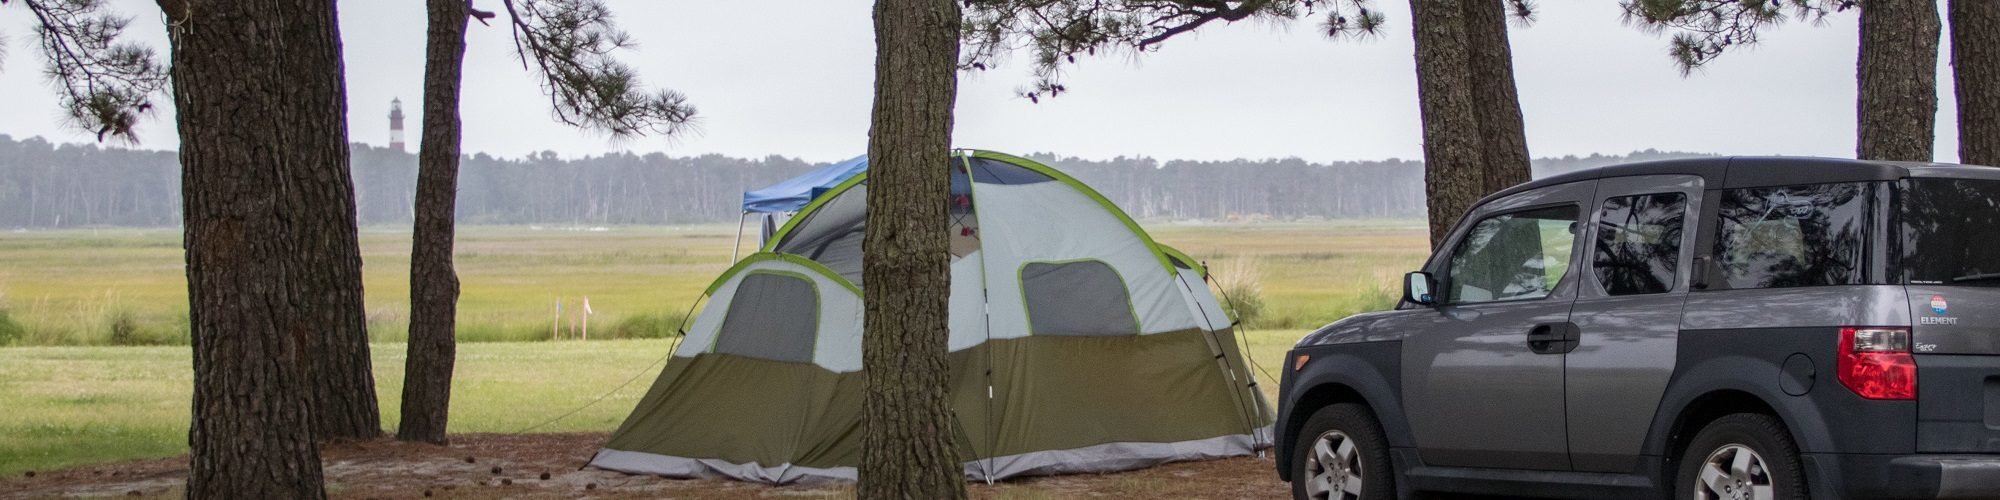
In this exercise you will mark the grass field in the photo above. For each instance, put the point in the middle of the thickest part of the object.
(96, 320)
(69, 406)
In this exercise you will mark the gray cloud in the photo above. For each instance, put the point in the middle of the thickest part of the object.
(793, 78)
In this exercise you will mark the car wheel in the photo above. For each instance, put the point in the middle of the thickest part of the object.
(1341, 455)
(1745, 456)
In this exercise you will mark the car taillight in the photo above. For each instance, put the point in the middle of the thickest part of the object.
(1876, 364)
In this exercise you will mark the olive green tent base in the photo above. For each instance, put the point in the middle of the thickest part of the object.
(1057, 405)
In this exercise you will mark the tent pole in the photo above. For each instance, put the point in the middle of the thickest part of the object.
(738, 245)
(986, 321)
(1237, 388)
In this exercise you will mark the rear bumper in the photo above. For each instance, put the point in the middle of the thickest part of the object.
(1904, 476)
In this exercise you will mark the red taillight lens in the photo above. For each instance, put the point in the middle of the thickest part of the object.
(1876, 364)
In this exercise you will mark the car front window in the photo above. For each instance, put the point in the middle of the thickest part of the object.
(1513, 256)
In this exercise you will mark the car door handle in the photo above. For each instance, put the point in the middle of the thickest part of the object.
(1553, 338)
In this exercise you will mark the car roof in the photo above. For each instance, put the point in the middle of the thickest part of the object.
(1733, 172)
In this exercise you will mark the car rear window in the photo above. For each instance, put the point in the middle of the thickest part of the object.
(1639, 243)
(1950, 232)
(1793, 236)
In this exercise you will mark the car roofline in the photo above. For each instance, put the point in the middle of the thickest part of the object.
(1734, 172)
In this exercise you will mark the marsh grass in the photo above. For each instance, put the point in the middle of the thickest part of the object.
(1309, 273)
(1240, 287)
(127, 286)
(9, 330)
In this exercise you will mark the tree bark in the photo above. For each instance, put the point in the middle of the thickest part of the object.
(908, 450)
(433, 283)
(1975, 62)
(1496, 100)
(1453, 175)
(1897, 69)
(329, 272)
(244, 86)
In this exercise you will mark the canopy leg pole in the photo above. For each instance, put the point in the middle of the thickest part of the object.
(738, 245)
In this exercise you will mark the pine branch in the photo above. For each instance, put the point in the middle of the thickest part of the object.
(569, 44)
(1702, 30)
(1057, 32)
(478, 15)
(106, 85)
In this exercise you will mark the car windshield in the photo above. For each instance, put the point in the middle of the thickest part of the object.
(1948, 232)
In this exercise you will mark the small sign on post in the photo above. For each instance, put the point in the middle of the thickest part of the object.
(586, 317)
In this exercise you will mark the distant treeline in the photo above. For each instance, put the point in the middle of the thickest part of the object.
(44, 185)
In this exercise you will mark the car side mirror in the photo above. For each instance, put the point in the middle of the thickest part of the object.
(1417, 289)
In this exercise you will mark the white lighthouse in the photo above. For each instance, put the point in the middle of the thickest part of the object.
(396, 124)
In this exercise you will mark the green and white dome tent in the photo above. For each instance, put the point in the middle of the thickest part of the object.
(1078, 344)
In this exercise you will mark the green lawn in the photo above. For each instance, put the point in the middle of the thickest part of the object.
(68, 406)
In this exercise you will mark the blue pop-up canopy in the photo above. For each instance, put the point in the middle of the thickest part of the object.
(794, 193)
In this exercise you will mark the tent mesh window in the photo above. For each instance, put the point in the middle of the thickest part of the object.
(831, 234)
(773, 317)
(1080, 298)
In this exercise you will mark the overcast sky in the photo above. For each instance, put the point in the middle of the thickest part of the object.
(793, 78)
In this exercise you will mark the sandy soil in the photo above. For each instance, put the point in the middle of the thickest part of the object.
(549, 466)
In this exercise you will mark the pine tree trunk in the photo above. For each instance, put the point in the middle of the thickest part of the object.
(908, 450)
(328, 275)
(1975, 62)
(433, 283)
(1495, 99)
(1897, 105)
(243, 105)
(1453, 175)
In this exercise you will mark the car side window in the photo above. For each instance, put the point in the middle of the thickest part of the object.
(1513, 256)
(1792, 236)
(1639, 243)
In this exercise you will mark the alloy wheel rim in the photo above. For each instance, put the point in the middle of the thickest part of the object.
(1734, 472)
(1333, 468)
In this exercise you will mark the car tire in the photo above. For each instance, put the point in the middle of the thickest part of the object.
(1355, 462)
(1745, 456)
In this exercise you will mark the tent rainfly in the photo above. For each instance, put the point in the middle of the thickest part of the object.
(1077, 345)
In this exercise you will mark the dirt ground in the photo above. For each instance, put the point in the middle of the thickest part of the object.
(548, 466)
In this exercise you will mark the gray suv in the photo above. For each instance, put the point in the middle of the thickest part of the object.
(1738, 328)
